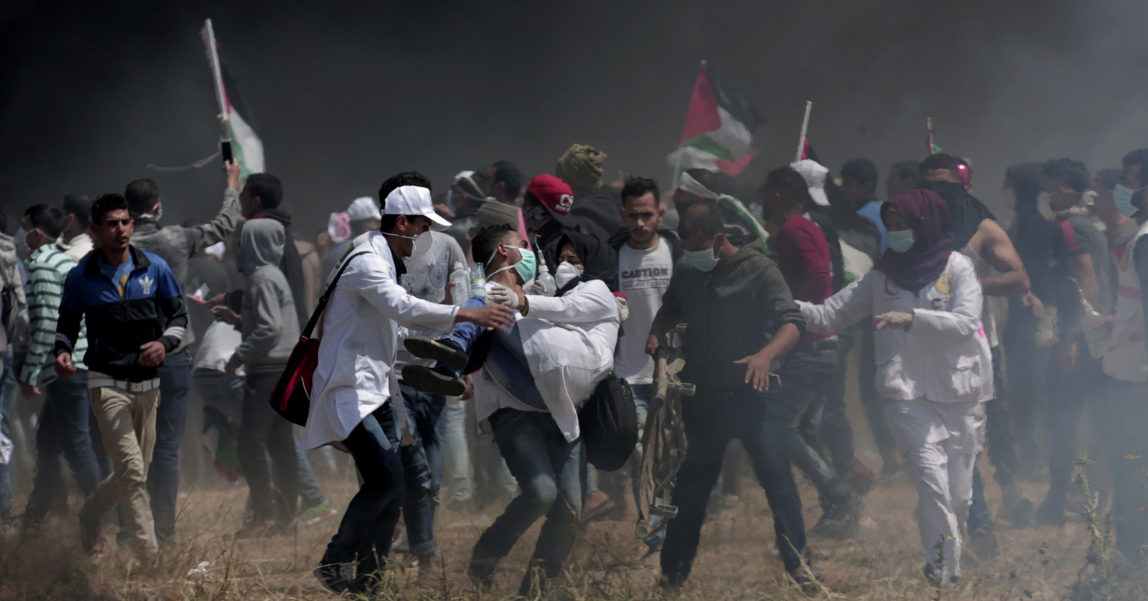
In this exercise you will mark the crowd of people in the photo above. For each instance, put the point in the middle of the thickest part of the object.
(462, 334)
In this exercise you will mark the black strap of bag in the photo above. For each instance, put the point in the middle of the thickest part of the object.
(322, 304)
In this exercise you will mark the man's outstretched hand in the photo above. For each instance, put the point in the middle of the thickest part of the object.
(232, 169)
(757, 368)
(489, 316)
(152, 354)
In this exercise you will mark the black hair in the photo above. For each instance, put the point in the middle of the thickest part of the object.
(141, 195)
(863, 170)
(1069, 172)
(700, 218)
(398, 180)
(487, 239)
(791, 185)
(509, 174)
(1136, 157)
(907, 169)
(1024, 178)
(266, 188)
(3, 221)
(636, 187)
(1108, 178)
(940, 161)
(48, 219)
(79, 205)
(106, 204)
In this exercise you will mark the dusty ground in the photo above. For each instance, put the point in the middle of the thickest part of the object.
(736, 559)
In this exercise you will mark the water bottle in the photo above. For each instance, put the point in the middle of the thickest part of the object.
(549, 286)
(477, 280)
(459, 283)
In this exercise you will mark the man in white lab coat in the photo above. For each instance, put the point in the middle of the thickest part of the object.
(535, 377)
(354, 379)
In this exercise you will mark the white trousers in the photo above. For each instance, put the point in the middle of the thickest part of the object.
(940, 443)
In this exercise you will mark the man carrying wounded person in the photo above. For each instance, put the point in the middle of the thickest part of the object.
(535, 378)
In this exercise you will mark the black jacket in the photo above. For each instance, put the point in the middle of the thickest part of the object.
(149, 306)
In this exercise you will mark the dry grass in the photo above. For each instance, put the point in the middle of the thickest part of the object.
(736, 559)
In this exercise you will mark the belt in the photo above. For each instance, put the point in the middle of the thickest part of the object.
(105, 382)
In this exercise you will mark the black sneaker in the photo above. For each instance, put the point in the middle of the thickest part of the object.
(91, 532)
(806, 579)
(337, 578)
(444, 351)
(433, 380)
(841, 521)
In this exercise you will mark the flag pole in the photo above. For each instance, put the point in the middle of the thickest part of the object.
(216, 75)
(678, 159)
(804, 130)
(929, 134)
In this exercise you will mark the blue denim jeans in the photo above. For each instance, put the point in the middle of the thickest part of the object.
(505, 360)
(549, 471)
(805, 381)
(456, 451)
(170, 421)
(760, 420)
(364, 534)
(422, 466)
(8, 387)
(62, 432)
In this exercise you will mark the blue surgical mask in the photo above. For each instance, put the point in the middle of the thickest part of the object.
(1122, 197)
(702, 260)
(527, 268)
(900, 240)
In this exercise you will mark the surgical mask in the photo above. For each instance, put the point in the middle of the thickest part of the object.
(1122, 197)
(900, 240)
(566, 273)
(526, 266)
(22, 248)
(702, 260)
(159, 213)
(422, 243)
(1044, 206)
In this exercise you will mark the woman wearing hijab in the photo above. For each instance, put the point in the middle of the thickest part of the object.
(934, 369)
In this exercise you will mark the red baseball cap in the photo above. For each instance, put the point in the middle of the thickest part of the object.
(552, 193)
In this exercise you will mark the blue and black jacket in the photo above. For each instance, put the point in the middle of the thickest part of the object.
(120, 318)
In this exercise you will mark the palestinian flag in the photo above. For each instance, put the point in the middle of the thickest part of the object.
(246, 146)
(929, 143)
(718, 134)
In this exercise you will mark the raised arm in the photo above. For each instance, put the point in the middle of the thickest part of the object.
(220, 227)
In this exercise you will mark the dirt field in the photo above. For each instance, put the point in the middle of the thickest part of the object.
(736, 559)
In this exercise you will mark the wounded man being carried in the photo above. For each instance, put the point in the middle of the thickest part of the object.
(550, 361)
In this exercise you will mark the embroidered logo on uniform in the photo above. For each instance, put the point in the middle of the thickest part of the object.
(146, 283)
(943, 285)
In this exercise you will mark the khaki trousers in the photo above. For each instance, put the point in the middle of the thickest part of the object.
(127, 425)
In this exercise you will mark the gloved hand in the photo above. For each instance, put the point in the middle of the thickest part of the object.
(623, 307)
(535, 287)
(501, 295)
(893, 320)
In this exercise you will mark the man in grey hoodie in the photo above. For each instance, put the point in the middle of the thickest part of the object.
(269, 333)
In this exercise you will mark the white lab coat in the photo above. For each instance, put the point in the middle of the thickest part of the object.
(569, 345)
(944, 357)
(360, 336)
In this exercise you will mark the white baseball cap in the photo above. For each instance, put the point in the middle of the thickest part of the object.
(413, 200)
(362, 209)
(814, 174)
